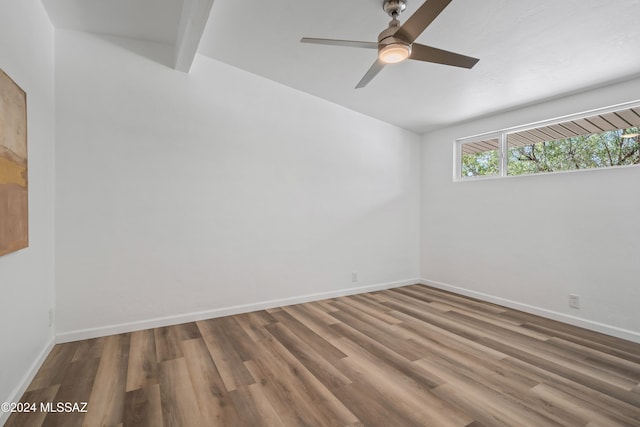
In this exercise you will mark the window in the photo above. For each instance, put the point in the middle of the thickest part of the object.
(481, 158)
(604, 138)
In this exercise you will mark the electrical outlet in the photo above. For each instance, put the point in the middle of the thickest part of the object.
(354, 277)
(50, 317)
(574, 301)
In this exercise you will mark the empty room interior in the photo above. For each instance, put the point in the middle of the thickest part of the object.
(368, 213)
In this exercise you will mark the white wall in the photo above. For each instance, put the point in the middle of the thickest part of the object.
(182, 193)
(533, 240)
(26, 276)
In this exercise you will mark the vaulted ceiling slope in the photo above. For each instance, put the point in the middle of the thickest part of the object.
(529, 51)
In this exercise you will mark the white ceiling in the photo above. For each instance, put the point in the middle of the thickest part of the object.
(151, 20)
(529, 51)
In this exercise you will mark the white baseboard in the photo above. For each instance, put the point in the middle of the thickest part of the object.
(158, 322)
(549, 314)
(17, 393)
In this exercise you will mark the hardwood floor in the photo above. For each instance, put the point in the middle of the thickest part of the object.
(402, 357)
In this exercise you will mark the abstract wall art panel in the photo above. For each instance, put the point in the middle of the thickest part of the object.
(14, 211)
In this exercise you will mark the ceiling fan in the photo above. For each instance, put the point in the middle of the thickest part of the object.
(396, 43)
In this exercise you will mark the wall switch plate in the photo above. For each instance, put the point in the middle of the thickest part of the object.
(354, 277)
(574, 301)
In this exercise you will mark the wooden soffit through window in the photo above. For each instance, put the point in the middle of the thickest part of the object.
(623, 119)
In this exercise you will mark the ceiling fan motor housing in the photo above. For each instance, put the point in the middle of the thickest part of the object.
(394, 8)
(387, 37)
(392, 49)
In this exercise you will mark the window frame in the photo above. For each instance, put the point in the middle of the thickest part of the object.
(502, 134)
(457, 167)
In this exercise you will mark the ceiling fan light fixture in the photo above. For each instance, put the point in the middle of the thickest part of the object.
(394, 52)
(396, 43)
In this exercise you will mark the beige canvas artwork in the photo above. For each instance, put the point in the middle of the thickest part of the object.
(14, 212)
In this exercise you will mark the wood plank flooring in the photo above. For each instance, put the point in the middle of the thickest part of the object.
(411, 356)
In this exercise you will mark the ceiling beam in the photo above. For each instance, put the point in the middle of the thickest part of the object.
(193, 20)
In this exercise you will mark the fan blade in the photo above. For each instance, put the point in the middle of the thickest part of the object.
(375, 69)
(416, 24)
(420, 52)
(346, 43)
